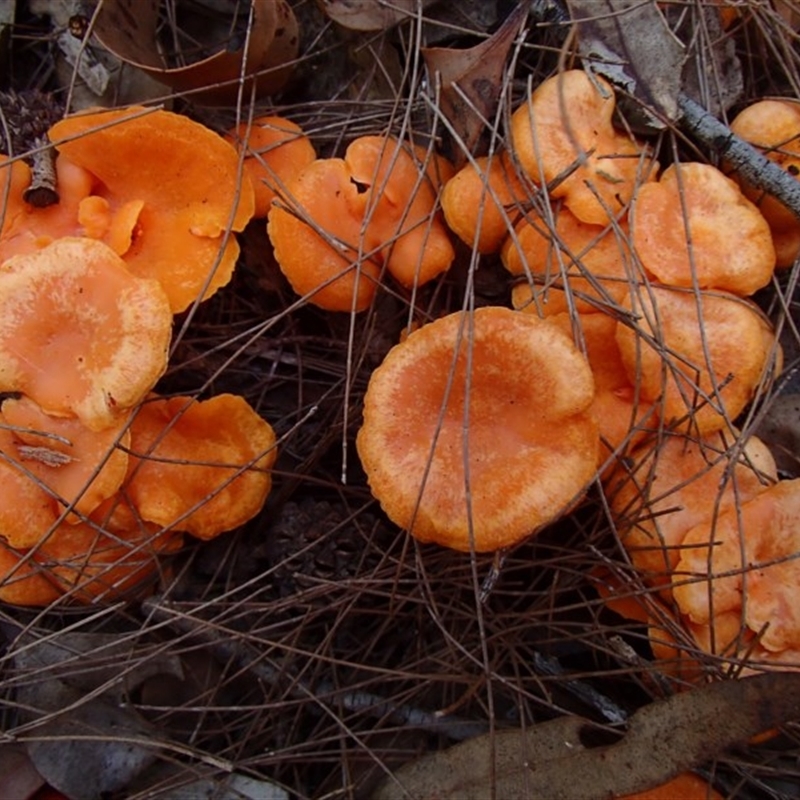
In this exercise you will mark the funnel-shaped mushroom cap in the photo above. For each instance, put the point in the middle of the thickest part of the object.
(68, 464)
(523, 392)
(564, 134)
(747, 562)
(22, 581)
(694, 227)
(702, 357)
(482, 201)
(594, 260)
(774, 127)
(346, 218)
(667, 487)
(200, 467)
(276, 150)
(79, 334)
(189, 182)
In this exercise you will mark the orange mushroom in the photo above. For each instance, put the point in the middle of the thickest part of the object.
(23, 582)
(686, 786)
(701, 356)
(90, 564)
(61, 463)
(563, 137)
(79, 334)
(482, 201)
(522, 393)
(747, 561)
(623, 417)
(185, 182)
(774, 127)
(276, 149)
(694, 227)
(347, 218)
(199, 467)
(25, 228)
(667, 486)
(594, 261)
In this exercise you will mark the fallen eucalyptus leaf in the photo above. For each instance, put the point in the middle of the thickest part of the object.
(71, 690)
(470, 81)
(629, 43)
(19, 777)
(369, 15)
(556, 760)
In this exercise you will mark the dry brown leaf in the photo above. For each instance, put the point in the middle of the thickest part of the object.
(372, 15)
(470, 82)
(128, 29)
(556, 760)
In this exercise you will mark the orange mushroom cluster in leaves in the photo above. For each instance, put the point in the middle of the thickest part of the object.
(342, 222)
(99, 478)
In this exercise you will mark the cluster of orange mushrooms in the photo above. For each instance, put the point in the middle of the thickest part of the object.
(631, 350)
(98, 475)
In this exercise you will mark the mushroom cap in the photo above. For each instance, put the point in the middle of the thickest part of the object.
(532, 440)
(481, 202)
(90, 564)
(22, 581)
(199, 467)
(324, 205)
(27, 228)
(594, 260)
(623, 418)
(276, 149)
(79, 334)
(747, 562)
(566, 124)
(81, 468)
(774, 127)
(400, 210)
(347, 218)
(702, 356)
(731, 243)
(189, 182)
(665, 487)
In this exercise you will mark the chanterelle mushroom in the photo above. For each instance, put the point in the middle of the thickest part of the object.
(520, 390)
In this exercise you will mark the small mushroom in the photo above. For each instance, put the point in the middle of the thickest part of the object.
(702, 357)
(668, 485)
(774, 127)
(199, 467)
(23, 582)
(276, 150)
(564, 138)
(482, 201)
(746, 561)
(522, 393)
(187, 180)
(67, 464)
(594, 261)
(79, 334)
(694, 227)
(346, 219)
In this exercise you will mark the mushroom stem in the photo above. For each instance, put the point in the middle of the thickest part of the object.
(42, 191)
(752, 165)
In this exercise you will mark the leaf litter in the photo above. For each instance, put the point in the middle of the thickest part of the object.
(318, 651)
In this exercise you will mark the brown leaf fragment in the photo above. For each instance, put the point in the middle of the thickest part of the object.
(629, 43)
(372, 15)
(556, 760)
(470, 82)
